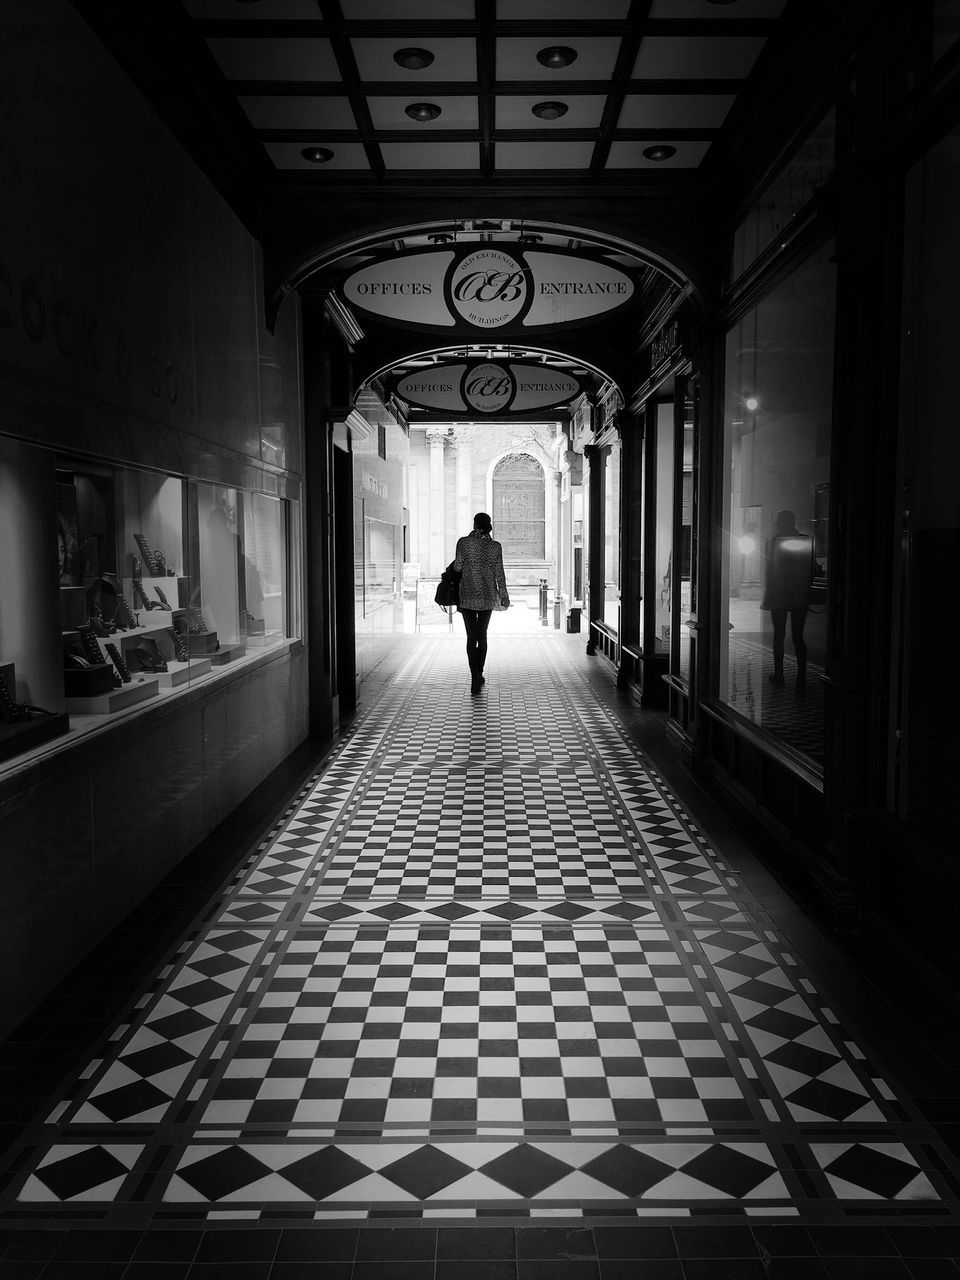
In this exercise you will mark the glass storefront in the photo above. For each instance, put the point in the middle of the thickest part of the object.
(924, 745)
(663, 541)
(160, 583)
(611, 537)
(788, 193)
(777, 432)
(687, 558)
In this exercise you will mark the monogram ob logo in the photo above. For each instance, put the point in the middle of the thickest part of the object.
(489, 288)
(488, 387)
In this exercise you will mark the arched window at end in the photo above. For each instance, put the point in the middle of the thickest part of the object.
(519, 507)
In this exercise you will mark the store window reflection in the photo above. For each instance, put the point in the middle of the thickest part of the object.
(664, 531)
(779, 386)
(687, 518)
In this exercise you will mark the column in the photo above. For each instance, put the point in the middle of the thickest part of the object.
(594, 565)
(436, 437)
(464, 447)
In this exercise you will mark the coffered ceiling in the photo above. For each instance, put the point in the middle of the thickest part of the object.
(593, 90)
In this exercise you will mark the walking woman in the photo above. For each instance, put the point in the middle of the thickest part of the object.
(483, 588)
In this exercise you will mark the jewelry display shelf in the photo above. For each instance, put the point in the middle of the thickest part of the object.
(227, 653)
(178, 673)
(117, 699)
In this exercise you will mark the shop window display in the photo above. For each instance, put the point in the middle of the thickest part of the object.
(779, 390)
(663, 547)
(688, 603)
(611, 569)
(158, 583)
(32, 698)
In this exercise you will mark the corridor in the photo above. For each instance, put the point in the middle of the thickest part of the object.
(486, 1002)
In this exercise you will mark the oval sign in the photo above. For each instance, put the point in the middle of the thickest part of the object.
(486, 288)
(488, 388)
(489, 288)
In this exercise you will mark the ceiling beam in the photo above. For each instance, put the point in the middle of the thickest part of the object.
(626, 58)
(486, 12)
(674, 87)
(343, 52)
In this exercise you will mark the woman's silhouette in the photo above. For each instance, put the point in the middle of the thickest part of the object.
(483, 588)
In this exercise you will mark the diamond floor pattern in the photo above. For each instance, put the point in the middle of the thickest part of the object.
(486, 966)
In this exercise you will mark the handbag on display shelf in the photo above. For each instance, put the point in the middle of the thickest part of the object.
(448, 588)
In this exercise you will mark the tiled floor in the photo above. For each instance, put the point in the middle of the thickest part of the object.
(485, 1001)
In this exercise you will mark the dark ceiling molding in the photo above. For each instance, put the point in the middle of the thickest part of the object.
(626, 59)
(343, 52)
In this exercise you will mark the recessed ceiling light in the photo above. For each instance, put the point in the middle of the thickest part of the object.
(659, 152)
(413, 59)
(422, 111)
(557, 56)
(317, 155)
(550, 110)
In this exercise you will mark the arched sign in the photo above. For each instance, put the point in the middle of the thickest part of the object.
(488, 287)
(488, 388)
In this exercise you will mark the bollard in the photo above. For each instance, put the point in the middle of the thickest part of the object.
(543, 602)
(556, 613)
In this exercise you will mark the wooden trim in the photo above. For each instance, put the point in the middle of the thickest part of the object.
(784, 756)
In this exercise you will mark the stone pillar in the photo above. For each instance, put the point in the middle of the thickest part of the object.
(593, 570)
(436, 437)
(465, 513)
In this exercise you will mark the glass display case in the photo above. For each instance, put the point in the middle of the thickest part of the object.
(32, 698)
(159, 583)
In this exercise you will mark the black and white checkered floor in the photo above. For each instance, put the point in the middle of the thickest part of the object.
(485, 967)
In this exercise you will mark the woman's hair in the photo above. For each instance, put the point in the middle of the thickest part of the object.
(482, 522)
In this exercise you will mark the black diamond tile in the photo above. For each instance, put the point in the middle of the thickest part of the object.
(336, 911)
(568, 911)
(81, 1172)
(711, 910)
(827, 1099)
(734, 942)
(627, 1170)
(510, 911)
(253, 911)
(199, 993)
(324, 1172)
(628, 911)
(270, 885)
(183, 1023)
(426, 1171)
(453, 911)
(232, 941)
(157, 1058)
(780, 1023)
(761, 992)
(526, 1170)
(728, 1170)
(130, 1100)
(801, 1057)
(394, 911)
(223, 1173)
(876, 1171)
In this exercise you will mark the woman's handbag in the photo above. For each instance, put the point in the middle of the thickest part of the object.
(448, 588)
